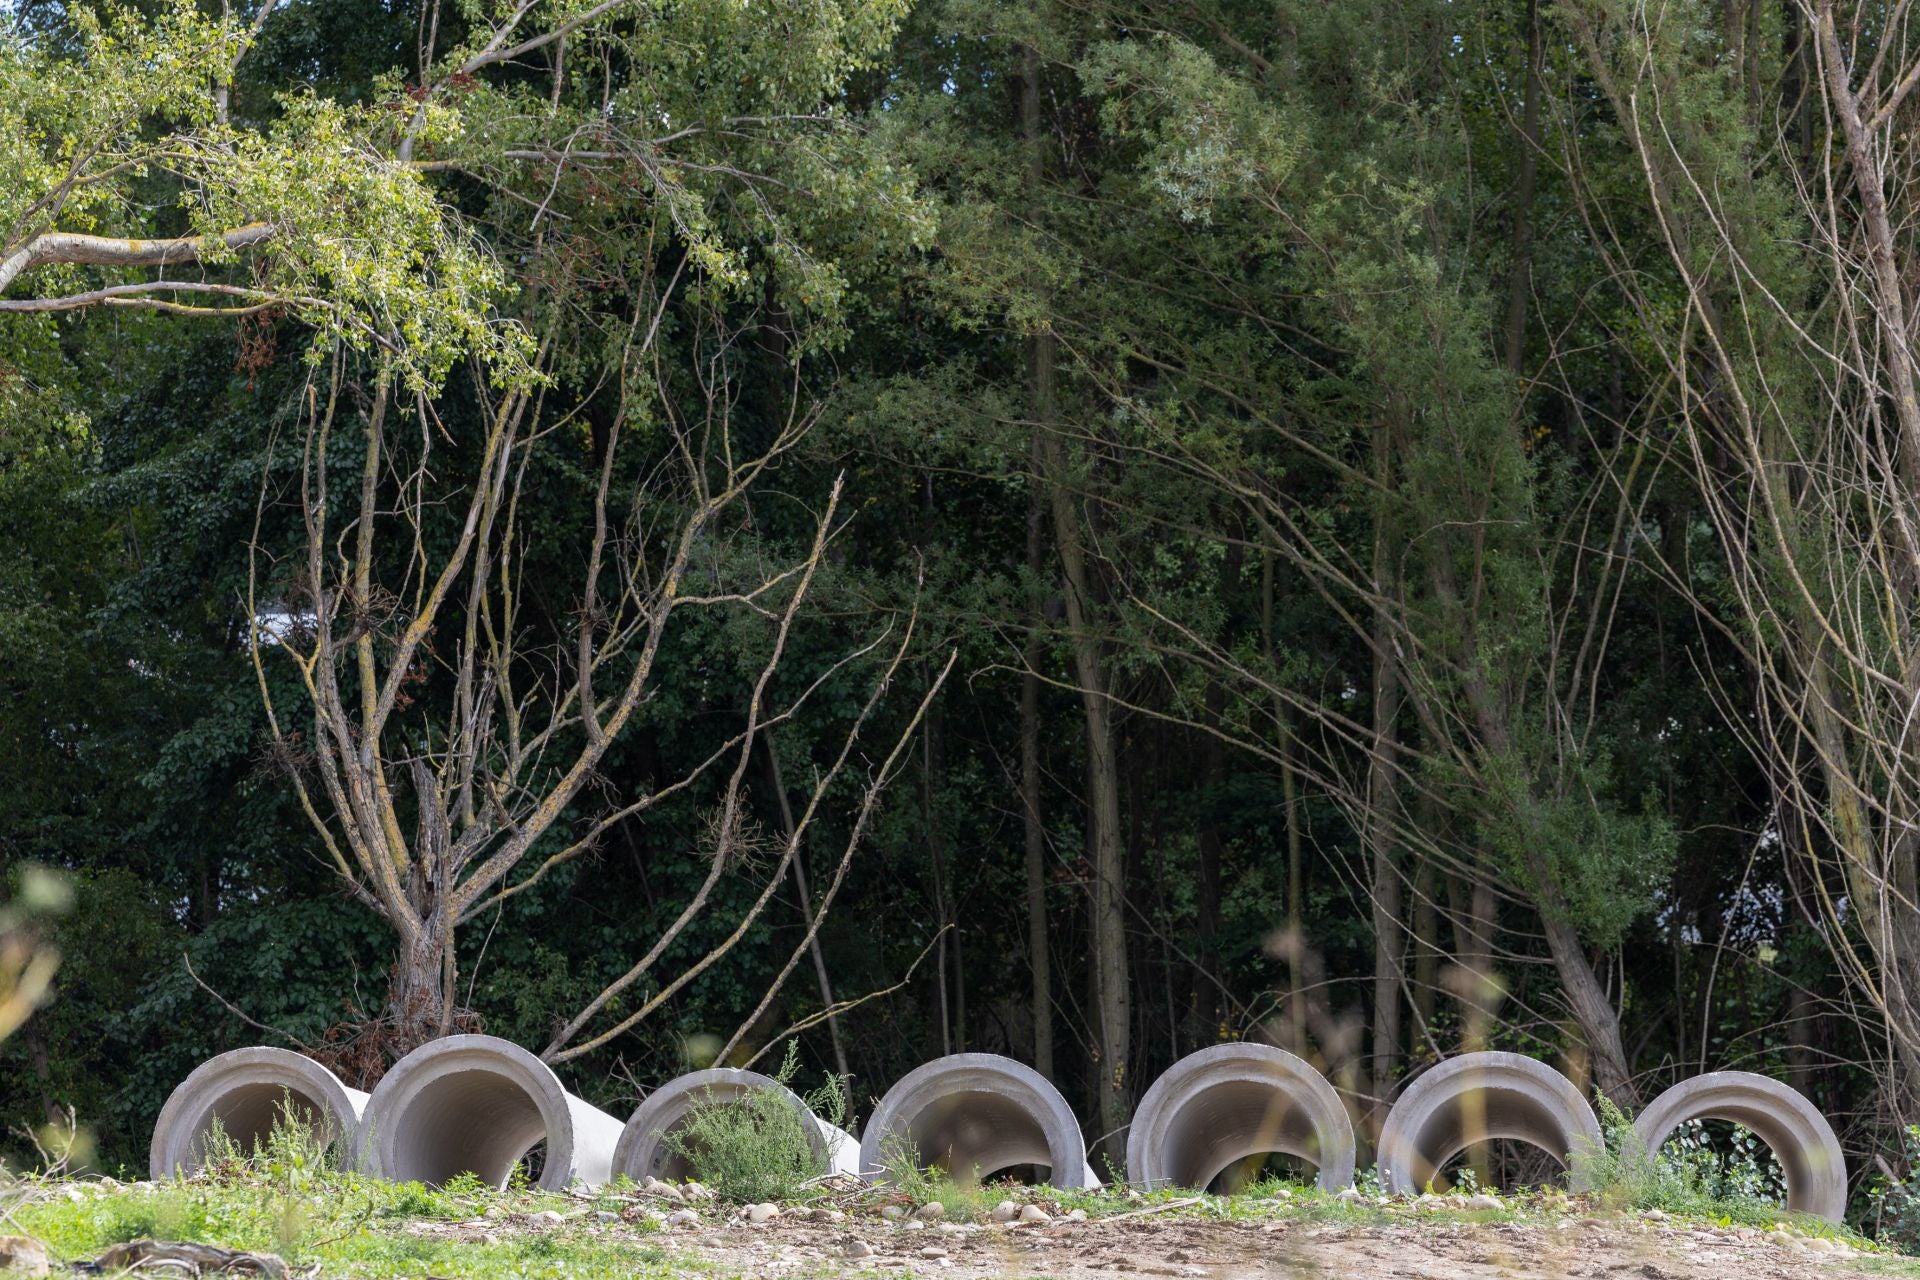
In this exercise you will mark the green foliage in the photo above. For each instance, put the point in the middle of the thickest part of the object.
(757, 1147)
(1685, 1177)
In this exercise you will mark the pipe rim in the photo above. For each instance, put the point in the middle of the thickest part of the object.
(640, 1145)
(435, 1059)
(1182, 1084)
(914, 1092)
(183, 1118)
(1814, 1164)
(1444, 1085)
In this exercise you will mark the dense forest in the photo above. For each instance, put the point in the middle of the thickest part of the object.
(1082, 529)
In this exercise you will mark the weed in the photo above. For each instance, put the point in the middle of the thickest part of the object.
(1623, 1174)
(755, 1146)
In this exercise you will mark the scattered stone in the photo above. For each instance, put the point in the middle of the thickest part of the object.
(931, 1210)
(21, 1256)
(1034, 1213)
(1005, 1211)
(683, 1218)
(857, 1249)
(913, 1224)
(761, 1213)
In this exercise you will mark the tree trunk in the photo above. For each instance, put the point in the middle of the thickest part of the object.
(1113, 1000)
(778, 782)
(1520, 282)
(1383, 803)
(1039, 961)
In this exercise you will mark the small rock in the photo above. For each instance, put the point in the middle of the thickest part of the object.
(1005, 1211)
(760, 1213)
(22, 1256)
(1076, 1215)
(892, 1212)
(1034, 1213)
(931, 1210)
(913, 1224)
(683, 1218)
(857, 1249)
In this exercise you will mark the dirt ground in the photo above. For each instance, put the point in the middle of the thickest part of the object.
(1159, 1246)
(800, 1246)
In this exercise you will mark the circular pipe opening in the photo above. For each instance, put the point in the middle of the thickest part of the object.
(1779, 1115)
(246, 1092)
(975, 1115)
(1226, 1112)
(974, 1135)
(474, 1122)
(469, 1104)
(645, 1151)
(1478, 1098)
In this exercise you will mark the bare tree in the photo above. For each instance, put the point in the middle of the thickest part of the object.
(1788, 226)
(438, 810)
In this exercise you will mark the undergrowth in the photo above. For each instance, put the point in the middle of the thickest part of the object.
(1683, 1179)
(292, 1196)
(756, 1146)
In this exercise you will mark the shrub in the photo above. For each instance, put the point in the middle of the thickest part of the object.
(756, 1147)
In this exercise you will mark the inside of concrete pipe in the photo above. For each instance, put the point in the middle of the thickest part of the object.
(666, 1159)
(979, 1136)
(1229, 1133)
(247, 1113)
(475, 1121)
(1793, 1160)
(1479, 1118)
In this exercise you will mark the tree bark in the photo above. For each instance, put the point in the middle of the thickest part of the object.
(1520, 282)
(1039, 960)
(778, 783)
(1383, 799)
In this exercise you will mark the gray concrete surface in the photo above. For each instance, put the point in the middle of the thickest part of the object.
(1226, 1103)
(643, 1151)
(479, 1104)
(974, 1115)
(1478, 1097)
(1779, 1115)
(245, 1091)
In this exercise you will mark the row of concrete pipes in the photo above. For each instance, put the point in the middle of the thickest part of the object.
(478, 1104)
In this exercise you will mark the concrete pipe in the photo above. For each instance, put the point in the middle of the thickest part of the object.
(973, 1115)
(1477, 1097)
(1224, 1104)
(1780, 1116)
(478, 1104)
(246, 1091)
(644, 1152)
